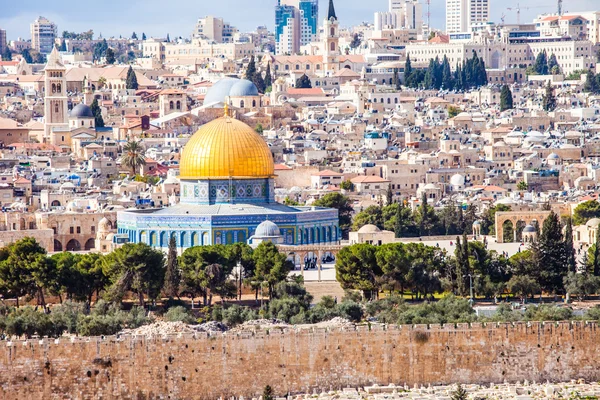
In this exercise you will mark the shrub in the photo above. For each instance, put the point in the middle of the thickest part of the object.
(235, 315)
(351, 310)
(179, 314)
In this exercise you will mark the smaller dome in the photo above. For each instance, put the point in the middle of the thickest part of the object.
(104, 225)
(369, 228)
(477, 223)
(267, 229)
(430, 186)
(553, 156)
(499, 143)
(457, 180)
(243, 88)
(529, 229)
(81, 111)
(593, 223)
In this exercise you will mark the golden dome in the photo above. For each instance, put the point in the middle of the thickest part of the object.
(226, 148)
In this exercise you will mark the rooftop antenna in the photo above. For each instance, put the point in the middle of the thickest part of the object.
(560, 7)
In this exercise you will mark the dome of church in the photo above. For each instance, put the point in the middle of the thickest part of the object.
(226, 148)
(243, 88)
(457, 180)
(267, 229)
(220, 90)
(81, 111)
(230, 87)
(104, 225)
(529, 229)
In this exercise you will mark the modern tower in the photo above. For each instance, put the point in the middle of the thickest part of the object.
(295, 24)
(43, 34)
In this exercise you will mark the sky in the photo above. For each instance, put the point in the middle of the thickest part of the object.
(159, 17)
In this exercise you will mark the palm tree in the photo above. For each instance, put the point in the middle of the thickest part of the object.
(133, 156)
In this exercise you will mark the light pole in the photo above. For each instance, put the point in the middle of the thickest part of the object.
(471, 300)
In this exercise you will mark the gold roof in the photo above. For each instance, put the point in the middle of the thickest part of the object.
(226, 148)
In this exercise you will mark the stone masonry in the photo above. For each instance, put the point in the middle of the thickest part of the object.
(203, 366)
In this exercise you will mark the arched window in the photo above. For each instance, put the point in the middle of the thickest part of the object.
(332, 31)
(53, 88)
(253, 103)
(56, 107)
(59, 88)
(332, 46)
(178, 105)
(241, 103)
(170, 105)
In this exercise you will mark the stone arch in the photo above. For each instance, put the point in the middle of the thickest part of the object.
(73, 245)
(143, 237)
(55, 203)
(90, 244)
(528, 217)
(205, 240)
(57, 245)
(195, 239)
(508, 231)
(520, 225)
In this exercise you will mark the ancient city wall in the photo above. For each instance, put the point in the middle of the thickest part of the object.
(206, 367)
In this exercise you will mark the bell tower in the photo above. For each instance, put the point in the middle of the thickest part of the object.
(331, 41)
(55, 96)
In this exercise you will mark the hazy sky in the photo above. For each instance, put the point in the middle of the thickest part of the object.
(157, 18)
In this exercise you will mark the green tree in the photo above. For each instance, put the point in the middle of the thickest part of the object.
(523, 286)
(205, 270)
(459, 393)
(7, 54)
(110, 56)
(268, 77)
(137, 268)
(582, 285)
(271, 265)
(17, 264)
(347, 185)
(395, 264)
(522, 186)
(426, 218)
(453, 111)
(549, 101)
(569, 248)
(371, 215)
(98, 119)
(251, 69)
(267, 393)
(586, 211)
(592, 83)
(549, 254)
(553, 66)
(342, 204)
(259, 82)
(63, 46)
(172, 274)
(407, 68)
(355, 41)
(541, 63)
(133, 156)
(27, 56)
(303, 82)
(143, 36)
(447, 78)
(131, 81)
(134, 36)
(356, 268)
(506, 98)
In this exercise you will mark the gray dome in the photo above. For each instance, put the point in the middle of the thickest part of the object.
(267, 229)
(81, 111)
(529, 229)
(553, 156)
(243, 88)
(220, 90)
(476, 223)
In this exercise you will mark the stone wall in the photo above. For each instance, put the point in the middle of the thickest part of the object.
(206, 367)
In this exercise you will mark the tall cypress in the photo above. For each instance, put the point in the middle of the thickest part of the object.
(268, 77)
(131, 81)
(172, 274)
(569, 249)
(550, 257)
(251, 69)
(407, 68)
(506, 99)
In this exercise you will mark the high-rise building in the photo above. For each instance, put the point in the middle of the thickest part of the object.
(3, 44)
(296, 24)
(462, 14)
(43, 34)
(215, 29)
(407, 14)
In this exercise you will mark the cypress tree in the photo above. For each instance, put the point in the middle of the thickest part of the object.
(259, 82)
(569, 249)
(407, 68)
(553, 63)
(172, 274)
(131, 82)
(398, 222)
(143, 36)
(506, 99)
(549, 99)
(251, 69)
(98, 120)
(550, 257)
(7, 54)
(446, 74)
(268, 77)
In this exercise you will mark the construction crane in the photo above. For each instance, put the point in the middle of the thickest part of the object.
(502, 18)
(518, 9)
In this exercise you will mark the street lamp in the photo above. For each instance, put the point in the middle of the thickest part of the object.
(471, 299)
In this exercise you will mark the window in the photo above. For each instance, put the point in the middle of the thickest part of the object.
(78, 229)
(71, 230)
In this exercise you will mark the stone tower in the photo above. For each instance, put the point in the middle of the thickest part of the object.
(331, 41)
(55, 97)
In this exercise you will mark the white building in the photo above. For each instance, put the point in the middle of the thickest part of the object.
(43, 34)
(213, 28)
(462, 14)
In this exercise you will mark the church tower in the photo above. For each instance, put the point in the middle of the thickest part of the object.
(331, 41)
(55, 97)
